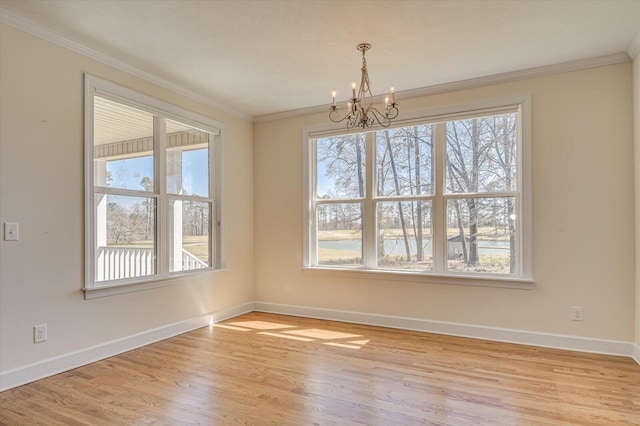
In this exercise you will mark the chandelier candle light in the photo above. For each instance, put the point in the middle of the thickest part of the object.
(361, 112)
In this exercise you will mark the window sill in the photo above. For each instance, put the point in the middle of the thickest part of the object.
(421, 277)
(130, 287)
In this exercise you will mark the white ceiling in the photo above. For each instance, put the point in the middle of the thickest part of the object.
(262, 57)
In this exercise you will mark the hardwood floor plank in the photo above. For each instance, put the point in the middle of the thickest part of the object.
(265, 369)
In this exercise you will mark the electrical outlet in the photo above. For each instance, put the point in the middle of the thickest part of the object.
(10, 231)
(40, 333)
(287, 288)
(577, 313)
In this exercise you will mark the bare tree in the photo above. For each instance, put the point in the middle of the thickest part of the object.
(343, 158)
(149, 204)
(404, 167)
(396, 183)
(481, 158)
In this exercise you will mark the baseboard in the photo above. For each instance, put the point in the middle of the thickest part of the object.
(59, 364)
(636, 353)
(547, 340)
(49, 367)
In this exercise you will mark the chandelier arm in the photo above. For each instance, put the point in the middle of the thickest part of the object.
(392, 111)
(333, 112)
(382, 119)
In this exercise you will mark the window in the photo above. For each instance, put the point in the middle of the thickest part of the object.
(152, 183)
(445, 197)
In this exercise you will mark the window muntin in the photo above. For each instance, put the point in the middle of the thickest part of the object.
(151, 173)
(470, 198)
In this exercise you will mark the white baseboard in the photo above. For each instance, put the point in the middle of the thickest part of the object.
(49, 367)
(556, 341)
(29, 373)
(636, 353)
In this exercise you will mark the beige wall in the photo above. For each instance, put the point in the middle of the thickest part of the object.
(582, 195)
(41, 187)
(636, 124)
(583, 216)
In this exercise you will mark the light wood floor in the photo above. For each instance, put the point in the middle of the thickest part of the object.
(264, 369)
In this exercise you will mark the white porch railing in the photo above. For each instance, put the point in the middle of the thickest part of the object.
(115, 263)
(190, 262)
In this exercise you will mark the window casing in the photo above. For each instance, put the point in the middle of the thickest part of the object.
(153, 205)
(444, 196)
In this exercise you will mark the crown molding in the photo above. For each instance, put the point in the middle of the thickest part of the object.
(40, 31)
(473, 83)
(634, 47)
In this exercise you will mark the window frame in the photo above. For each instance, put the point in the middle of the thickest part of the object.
(161, 112)
(523, 279)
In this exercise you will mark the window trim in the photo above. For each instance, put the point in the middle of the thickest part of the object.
(519, 103)
(96, 86)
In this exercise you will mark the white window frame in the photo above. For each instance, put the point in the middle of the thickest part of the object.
(162, 111)
(523, 279)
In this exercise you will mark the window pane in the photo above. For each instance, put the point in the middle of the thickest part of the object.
(341, 166)
(481, 154)
(123, 146)
(189, 235)
(404, 161)
(404, 235)
(339, 234)
(187, 160)
(125, 237)
(481, 235)
(132, 173)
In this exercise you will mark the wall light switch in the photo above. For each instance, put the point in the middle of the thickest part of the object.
(10, 231)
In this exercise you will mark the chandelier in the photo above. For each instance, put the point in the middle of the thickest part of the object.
(360, 110)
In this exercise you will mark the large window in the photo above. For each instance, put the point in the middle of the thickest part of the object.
(152, 176)
(446, 197)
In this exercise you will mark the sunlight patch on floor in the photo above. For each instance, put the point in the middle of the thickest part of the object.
(341, 345)
(260, 325)
(322, 334)
(285, 336)
(355, 344)
(292, 332)
(231, 327)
